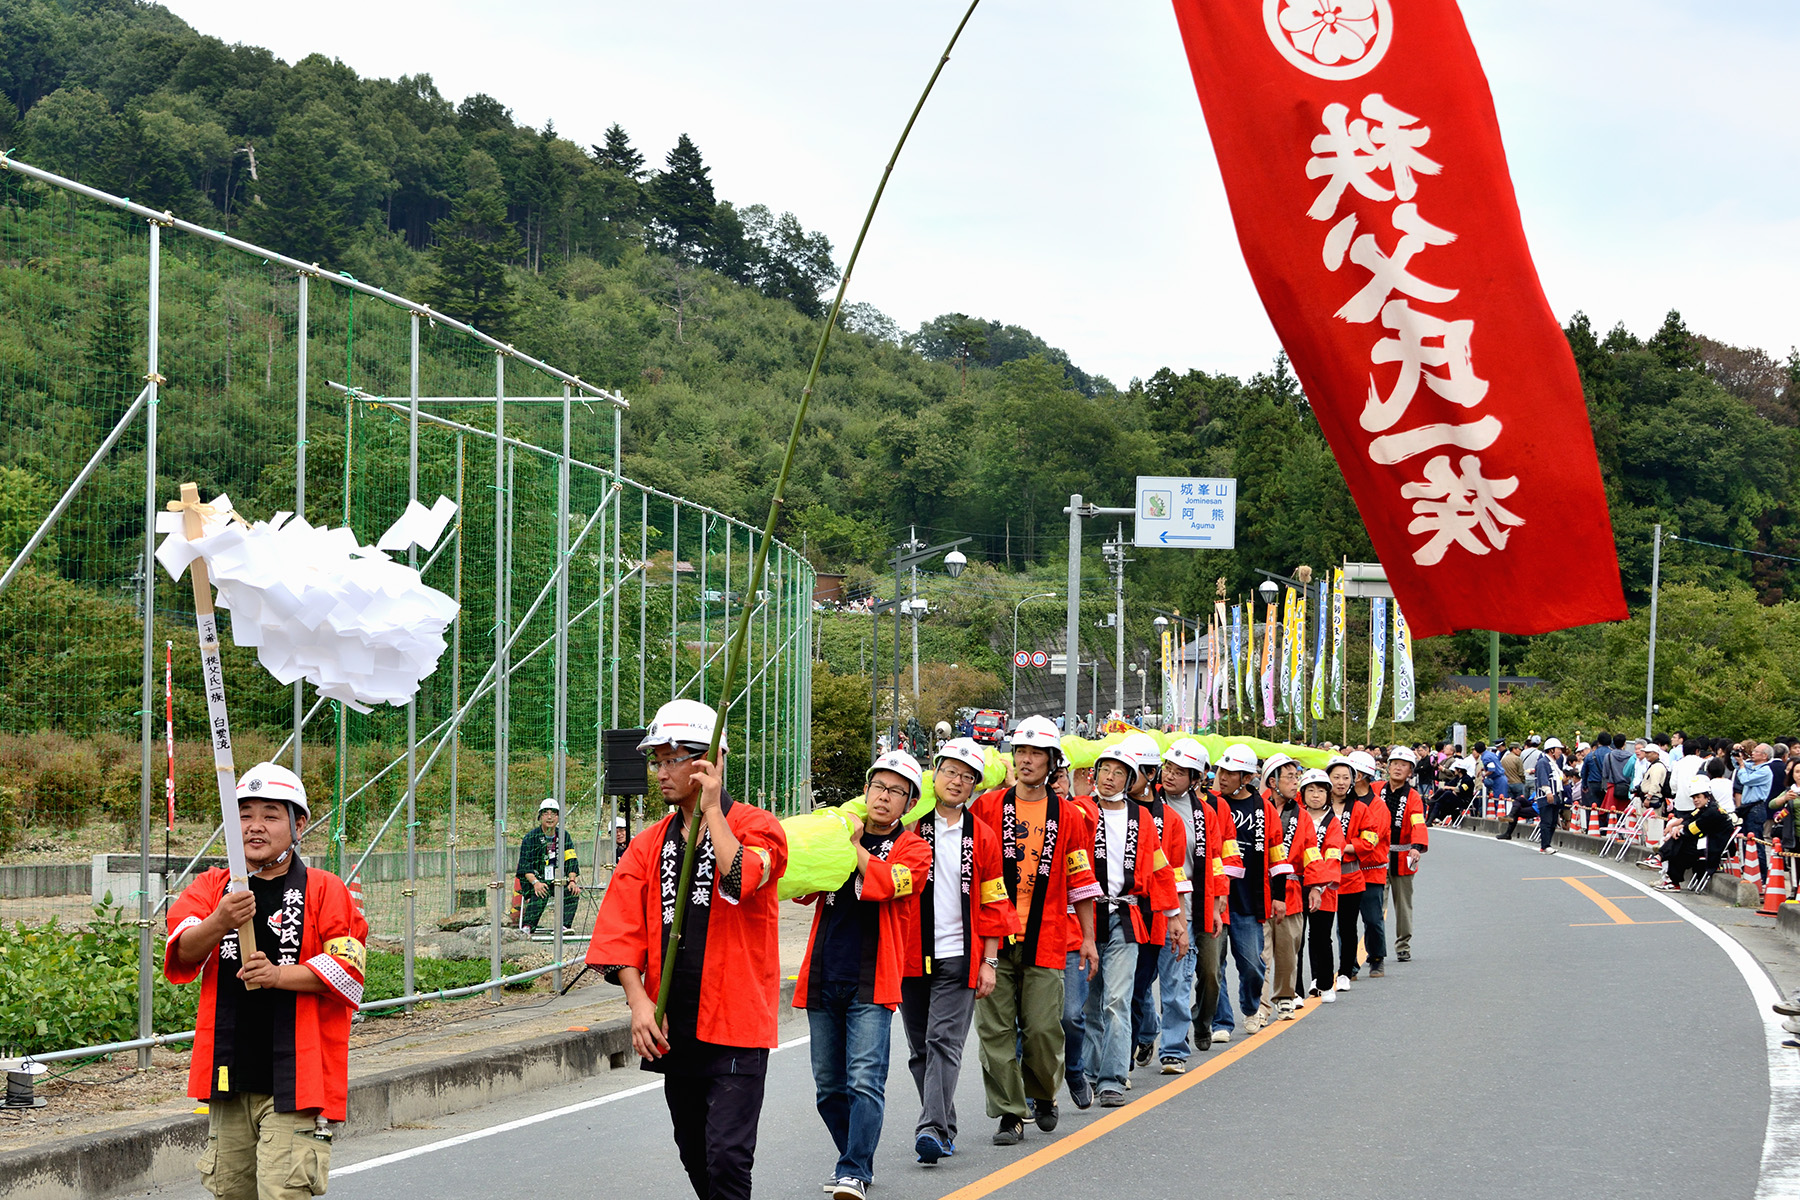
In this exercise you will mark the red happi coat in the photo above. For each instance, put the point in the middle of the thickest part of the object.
(1325, 871)
(1370, 834)
(741, 973)
(1349, 824)
(892, 881)
(987, 911)
(1408, 831)
(1071, 877)
(312, 1053)
(1216, 861)
(1152, 877)
(1172, 843)
(1305, 852)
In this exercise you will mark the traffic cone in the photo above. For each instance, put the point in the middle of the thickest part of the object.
(354, 887)
(1777, 891)
(1593, 825)
(1752, 869)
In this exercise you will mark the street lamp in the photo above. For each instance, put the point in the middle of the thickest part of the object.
(954, 562)
(1162, 627)
(1012, 714)
(1143, 684)
(1268, 589)
(911, 553)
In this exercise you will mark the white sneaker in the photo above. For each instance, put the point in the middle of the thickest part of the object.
(1284, 1010)
(1343, 983)
(1221, 1036)
(1329, 996)
(1252, 1024)
(1299, 1004)
(1792, 1024)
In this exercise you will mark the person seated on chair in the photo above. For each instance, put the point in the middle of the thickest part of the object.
(1682, 853)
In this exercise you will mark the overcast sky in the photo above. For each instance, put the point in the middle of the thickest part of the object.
(1061, 177)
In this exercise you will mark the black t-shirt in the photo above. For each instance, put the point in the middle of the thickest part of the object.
(253, 1050)
(849, 929)
(1247, 893)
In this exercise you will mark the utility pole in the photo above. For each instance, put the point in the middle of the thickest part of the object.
(913, 607)
(1072, 681)
(1115, 556)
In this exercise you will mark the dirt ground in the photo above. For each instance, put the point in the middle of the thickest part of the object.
(110, 1093)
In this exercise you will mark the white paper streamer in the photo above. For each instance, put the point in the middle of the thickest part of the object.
(319, 605)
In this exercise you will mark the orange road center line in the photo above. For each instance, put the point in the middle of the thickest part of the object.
(1606, 903)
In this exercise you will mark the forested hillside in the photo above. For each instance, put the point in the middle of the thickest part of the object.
(629, 270)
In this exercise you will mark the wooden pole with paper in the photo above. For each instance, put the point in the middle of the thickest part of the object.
(213, 673)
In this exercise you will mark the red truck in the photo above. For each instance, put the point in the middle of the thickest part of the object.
(989, 726)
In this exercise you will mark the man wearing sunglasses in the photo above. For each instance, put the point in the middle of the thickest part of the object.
(712, 1047)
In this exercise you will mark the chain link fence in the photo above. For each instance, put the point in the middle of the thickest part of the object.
(138, 352)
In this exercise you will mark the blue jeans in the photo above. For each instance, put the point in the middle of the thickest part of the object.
(1244, 944)
(1175, 980)
(1145, 1023)
(1374, 920)
(850, 1068)
(1106, 1054)
(1074, 1023)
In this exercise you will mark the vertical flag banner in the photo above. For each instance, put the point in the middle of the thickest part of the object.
(1250, 656)
(1377, 655)
(1221, 681)
(1295, 657)
(1403, 668)
(1237, 659)
(1168, 677)
(1285, 675)
(1337, 640)
(1268, 666)
(1362, 159)
(1318, 679)
(1202, 666)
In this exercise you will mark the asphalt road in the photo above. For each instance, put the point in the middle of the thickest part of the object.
(1557, 1034)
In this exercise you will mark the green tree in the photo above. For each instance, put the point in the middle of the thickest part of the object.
(616, 153)
(474, 243)
(840, 734)
(682, 202)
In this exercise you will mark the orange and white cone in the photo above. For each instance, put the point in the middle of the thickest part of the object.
(1593, 826)
(1752, 871)
(1777, 889)
(354, 887)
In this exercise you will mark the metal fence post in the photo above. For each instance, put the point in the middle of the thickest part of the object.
(412, 706)
(559, 736)
(153, 359)
(300, 335)
(502, 900)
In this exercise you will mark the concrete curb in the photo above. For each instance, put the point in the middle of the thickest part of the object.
(1726, 887)
(163, 1151)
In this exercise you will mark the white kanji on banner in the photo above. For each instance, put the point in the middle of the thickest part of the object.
(1452, 507)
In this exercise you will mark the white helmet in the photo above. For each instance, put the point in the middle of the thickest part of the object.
(1699, 785)
(682, 723)
(272, 781)
(1274, 763)
(1041, 733)
(1404, 754)
(900, 763)
(550, 805)
(1312, 776)
(1188, 753)
(1364, 762)
(1338, 760)
(965, 751)
(1553, 744)
(1120, 752)
(1143, 748)
(1238, 757)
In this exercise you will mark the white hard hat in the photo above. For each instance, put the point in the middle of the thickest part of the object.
(1404, 754)
(621, 823)
(1314, 776)
(1118, 752)
(965, 751)
(550, 805)
(1039, 732)
(1581, 746)
(1699, 785)
(1188, 753)
(1237, 757)
(1338, 760)
(1144, 749)
(1274, 763)
(900, 763)
(1553, 744)
(1364, 762)
(683, 723)
(272, 781)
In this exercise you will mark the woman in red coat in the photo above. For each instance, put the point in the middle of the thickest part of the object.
(1322, 874)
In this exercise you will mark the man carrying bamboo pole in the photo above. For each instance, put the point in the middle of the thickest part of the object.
(712, 1047)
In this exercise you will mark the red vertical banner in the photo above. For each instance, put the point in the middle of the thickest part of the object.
(1363, 163)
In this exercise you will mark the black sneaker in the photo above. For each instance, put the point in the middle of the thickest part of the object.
(928, 1148)
(1081, 1092)
(1011, 1131)
(1404, 955)
(1375, 971)
(1047, 1115)
(1203, 1039)
(1141, 1055)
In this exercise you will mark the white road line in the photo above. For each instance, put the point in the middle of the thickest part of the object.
(1779, 1178)
(521, 1123)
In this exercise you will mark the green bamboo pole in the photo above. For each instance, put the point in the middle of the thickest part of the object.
(735, 658)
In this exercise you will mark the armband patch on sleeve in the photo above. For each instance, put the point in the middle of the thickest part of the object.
(1418, 819)
(568, 854)
(1159, 860)
(1369, 836)
(1180, 874)
(1277, 853)
(1229, 849)
(1334, 853)
(350, 951)
(1218, 867)
(764, 856)
(1077, 861)
(993, 891)
(902, 880)
(1309, 857)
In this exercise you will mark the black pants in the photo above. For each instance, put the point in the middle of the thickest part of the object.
(1349, 909)
(1680, 855)
(715, 1120)
(1522, 808)
(1146, 1016)
(1551, 821)
(1320, 949)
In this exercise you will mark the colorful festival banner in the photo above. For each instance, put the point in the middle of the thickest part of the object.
(1202, 673)
(1318, 679)
(1296, 655)
(1337, 639)
(1168, 679)
(1403, 668)
(1237, 660)
(1268, 666)
(1222, 677)
(1377, 654)
(1362, 159)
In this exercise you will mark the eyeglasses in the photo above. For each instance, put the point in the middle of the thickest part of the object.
(678, 760)
(958, 776)
(886, 790)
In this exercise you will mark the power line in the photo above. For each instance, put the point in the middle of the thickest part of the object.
(1733, 549)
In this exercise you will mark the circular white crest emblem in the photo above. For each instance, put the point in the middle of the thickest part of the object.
(1332, 39)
